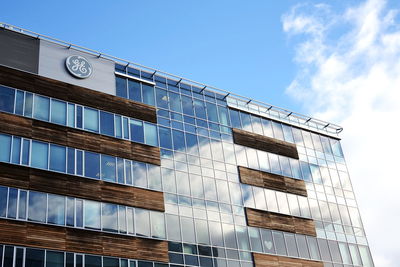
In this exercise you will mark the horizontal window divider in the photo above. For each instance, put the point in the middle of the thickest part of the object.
(22, 233)
(76, 138)
(75, 94)
(75, 186)
(134, 78)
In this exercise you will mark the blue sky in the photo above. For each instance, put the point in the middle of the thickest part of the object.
(336, 60)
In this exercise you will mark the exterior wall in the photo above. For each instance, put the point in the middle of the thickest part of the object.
(52, 65)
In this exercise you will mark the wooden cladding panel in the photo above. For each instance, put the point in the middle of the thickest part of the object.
(76, 94)
(264, 260)
(66, 136)
(265, 143)
(281, 222)
(74, 186)
(81, 241)
(272, 181)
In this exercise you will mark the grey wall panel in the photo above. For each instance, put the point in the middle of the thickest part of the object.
(19, 51)
(52, 64)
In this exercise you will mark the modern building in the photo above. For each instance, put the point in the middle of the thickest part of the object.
(107, 163)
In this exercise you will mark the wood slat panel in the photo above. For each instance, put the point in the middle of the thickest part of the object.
(66, 136)
(272, 181)
(74, 186)
(264, 260)
(76, 94)
(81, 241)
(281, 222)
(265, 143)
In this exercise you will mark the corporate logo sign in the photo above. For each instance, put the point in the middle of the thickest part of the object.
(78, 66)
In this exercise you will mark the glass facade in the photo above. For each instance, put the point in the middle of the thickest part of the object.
(204, 222)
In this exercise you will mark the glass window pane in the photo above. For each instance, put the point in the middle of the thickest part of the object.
(79, 162)
(92, 214)
(108, 168)
(175, 102)
(57, 158)
(212, 113)
(302, 246)
(267, 241)
(7, 99)
(8, 256)
(92, 261)
(16, 150)
(165, 137)
(139, 174)
(28, 104)
(131, 222)
(142, 222)
(3, 201)
(109, 217)
(121, 87)
(291, 245)
(242, 237)
(12, 203)
(187, 105)
(41, 108)
(246, 121)
(279, 243)
(56, 210)
(91, 119)
(188, 234)
(25, 151)
(79, 116)
(118, 126)
(37, 207)
(122, 219)
(71, 160)
(58, 112)
(70, 211)
(235, 119)
(173, 227)
(39, 156)
(71, 115)
(157, 224)
(148, 94)
(255, 239)
(200, 109)
(151, 134)
(106, 123)
(135, 92)
(34, 257)
(92, 165)
(79, 213)
(5, 147)
(323, 248)
(136, 129)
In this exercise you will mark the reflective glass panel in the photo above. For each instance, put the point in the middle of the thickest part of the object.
(41, 107)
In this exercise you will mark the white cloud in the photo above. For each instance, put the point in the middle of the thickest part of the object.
(349, 73)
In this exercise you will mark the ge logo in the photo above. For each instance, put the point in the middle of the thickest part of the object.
(78, 66)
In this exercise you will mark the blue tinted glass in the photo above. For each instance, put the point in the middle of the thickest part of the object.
(128, 172)
(37, 207)
(57, 158)
(179, 140)
(70, 211)
(137, 134)
(23, 197)
(187, 105)
(120, 171)
(109, 217)
(5, 147)
(56, 210)
(165, 137)
(151, 134)
(91, 119)
(235, 119)
(79, 162)
(125, 127)
(92, 165)
(54, 259)
(106, 123)
(110, 262)
(199, 108)
(7, 99)
(118, 126)
(148, 94)
(25, 152)
(92, 261)
(139, 174)
(34, 257)
(135, 93)
(223, 115)
(3, 201)
(108, 168)
(41, 107)
(58, 112)
(39, 156)
(246, 121)
(79, 213)
(305, 169)
(79, 117)
(12, 203)
(175, 102)
(19, 103)
(121, 87)
(162, 99)
(28, 104)
(92, 215)
(191, 144)
(16, 150)
(212, 113)
(71, 160)
(71, 115)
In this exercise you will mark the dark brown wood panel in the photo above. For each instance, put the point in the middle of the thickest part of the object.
(281, 222)
(76, 94)
(66, 136)
(69, 185)
(264, 260)
(272, 181)
(81, 241)
(265, 143)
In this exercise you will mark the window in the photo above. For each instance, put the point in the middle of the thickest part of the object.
(91, 120)
(41, 108)
(57, 158)
(7, 99)
(151, 134)
(108, 168)
(92, 165)
(137, 134)
(54, 259)
(134, 91)
(39, 156)
(37, 207)
(3, 201)
(109, 217)
(106, 123)
(34, 257)
(142, 222)
(58, 112)
(56, 210)
(5, 147)
(92, 215)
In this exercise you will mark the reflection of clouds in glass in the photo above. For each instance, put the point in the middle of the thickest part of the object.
(37, 206)
(139, 174)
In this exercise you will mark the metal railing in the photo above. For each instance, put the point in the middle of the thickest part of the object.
(234, 100)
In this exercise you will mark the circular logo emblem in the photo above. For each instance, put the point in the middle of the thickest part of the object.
(78, 66)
